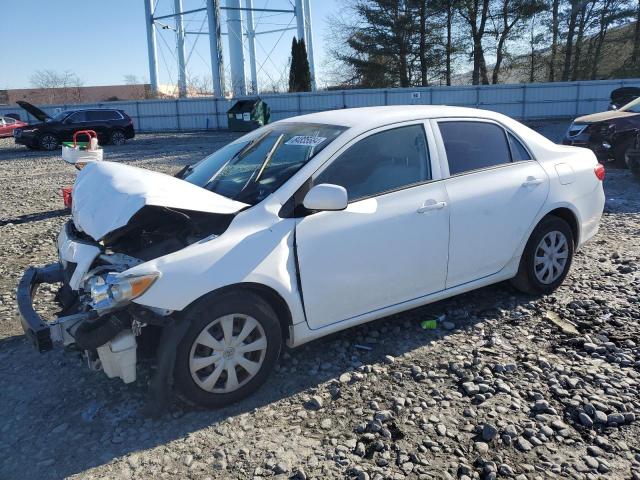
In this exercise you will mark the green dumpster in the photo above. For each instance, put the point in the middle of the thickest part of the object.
(247, 115)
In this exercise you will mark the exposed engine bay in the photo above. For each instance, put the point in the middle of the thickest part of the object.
(97, 315)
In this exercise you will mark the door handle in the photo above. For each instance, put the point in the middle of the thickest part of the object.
(431, 205)
(532, 182)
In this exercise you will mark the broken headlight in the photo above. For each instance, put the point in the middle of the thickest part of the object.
(113, 290)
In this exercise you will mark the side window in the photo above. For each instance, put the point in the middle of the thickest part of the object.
(381, 162)
(518, 152)
(9, 121)
(101, 115)
(474, 145)
(77, 117)
(94, 116)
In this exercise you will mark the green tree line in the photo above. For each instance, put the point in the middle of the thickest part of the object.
(403, 43)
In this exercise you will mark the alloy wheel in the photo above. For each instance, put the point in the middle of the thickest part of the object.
(551, 257)
(227, 353)
(49, 142)
(117, 138)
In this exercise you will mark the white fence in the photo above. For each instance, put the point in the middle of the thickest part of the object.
(521, 101)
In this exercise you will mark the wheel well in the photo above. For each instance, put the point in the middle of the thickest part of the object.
(569, 217)
(270, 296)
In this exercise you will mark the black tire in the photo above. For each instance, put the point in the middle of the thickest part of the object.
(118, 137)
(49, 142)
(634, 163)
(621, 153)
(526, 280)
(207, 310)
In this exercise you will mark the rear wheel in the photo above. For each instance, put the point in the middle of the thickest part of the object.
(118, 138)
(634, 163)
(547, 257)
(621, 153)
(49, 141)
(229, 350)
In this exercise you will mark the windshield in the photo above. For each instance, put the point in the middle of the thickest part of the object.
(257, 164)
(632, 106)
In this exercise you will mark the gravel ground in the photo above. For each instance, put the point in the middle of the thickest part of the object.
(505, 387)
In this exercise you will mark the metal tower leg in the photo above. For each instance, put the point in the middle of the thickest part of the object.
(151, 47)
(236, 55)
(215, 47)
(182, 69)
(309, 43)
(300, 20)
(251, 39)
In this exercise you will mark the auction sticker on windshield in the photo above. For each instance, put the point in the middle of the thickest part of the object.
(305, 140)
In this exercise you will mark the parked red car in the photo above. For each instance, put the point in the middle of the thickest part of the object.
(8, 124)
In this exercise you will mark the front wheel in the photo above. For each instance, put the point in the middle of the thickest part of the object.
(229, 350)
(49, 142)
(547, 257)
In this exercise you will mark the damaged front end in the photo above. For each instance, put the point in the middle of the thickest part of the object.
(97, 315)
(126, 226)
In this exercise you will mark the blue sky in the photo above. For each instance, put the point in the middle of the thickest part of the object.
(101, 41)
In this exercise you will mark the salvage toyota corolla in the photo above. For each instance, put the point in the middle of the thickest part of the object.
(304, 227)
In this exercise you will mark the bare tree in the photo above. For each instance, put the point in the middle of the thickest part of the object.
(476, 13)
(200, 86)
(508, 17)
(555, 34)
(635, 56)
(131, 79)
(57, 86)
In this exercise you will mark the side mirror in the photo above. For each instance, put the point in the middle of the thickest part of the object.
(326, 197)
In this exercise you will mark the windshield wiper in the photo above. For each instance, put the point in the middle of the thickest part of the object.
(251, 145)
(269, 156)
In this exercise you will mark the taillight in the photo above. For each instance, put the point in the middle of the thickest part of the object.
(599, 171)
(66, 197)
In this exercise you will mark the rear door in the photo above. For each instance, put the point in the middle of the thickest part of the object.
(496, 190)
(390, 245)
(98, 121)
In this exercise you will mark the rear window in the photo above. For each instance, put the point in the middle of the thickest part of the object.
(518, 152)
(474, 145)
(102, 115)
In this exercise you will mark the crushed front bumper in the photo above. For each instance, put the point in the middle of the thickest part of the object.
(35, 328)
(42, 333)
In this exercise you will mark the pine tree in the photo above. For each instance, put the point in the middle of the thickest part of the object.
(299, 73)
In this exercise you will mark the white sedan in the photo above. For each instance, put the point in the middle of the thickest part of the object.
(304, 227)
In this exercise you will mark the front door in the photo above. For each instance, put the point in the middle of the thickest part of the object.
(73, 123)
(390, 245)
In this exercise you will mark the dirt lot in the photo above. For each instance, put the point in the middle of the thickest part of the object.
(497, 391)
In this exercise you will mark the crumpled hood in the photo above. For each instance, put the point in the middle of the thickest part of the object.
(106, 195)
(603, 116)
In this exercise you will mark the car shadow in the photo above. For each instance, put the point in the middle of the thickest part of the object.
(35, 217)
(61, 419)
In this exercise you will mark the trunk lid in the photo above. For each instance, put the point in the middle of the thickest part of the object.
(106, 195)
(35, 111)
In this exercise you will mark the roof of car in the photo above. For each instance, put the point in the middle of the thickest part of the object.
(371, 116)
(91, 109)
